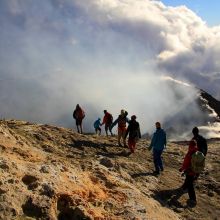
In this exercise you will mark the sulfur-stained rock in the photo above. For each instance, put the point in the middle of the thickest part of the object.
(99, 181)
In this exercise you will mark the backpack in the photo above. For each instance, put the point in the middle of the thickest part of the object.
(81, 114)
(122, 122)
(96, 124)
(110, 118)
(198, 162)
(202, 144)
(78, 114)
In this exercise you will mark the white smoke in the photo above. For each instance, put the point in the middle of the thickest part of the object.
(211, 130)
(105, 54)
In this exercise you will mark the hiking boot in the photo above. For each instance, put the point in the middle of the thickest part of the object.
(191, 203)
(183, 190)
(156, 172)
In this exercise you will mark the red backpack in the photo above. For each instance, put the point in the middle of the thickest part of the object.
(78, 114)
(81, 114)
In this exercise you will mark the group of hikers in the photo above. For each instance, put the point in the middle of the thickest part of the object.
(133, 129)
(194, 160)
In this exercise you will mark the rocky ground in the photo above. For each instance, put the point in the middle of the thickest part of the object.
(47, 172)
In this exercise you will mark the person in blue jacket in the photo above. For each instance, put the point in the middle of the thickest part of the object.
(97, 125)
(158, 143)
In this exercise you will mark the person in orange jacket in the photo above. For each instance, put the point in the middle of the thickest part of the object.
(121, 121)
(190, 175)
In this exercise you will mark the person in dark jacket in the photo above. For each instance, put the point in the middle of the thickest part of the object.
(79, 115)
(158, 143)
(107, 120)
(134, 133)
(121, 121)
(200, 140)
(190, 175)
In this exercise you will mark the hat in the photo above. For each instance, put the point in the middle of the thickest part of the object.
(133, 117)
(122, 111)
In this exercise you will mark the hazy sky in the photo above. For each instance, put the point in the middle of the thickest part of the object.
(103, 54)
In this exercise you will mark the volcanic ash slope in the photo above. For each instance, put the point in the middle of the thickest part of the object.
(47, 172)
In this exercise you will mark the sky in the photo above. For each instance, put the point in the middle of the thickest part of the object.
(207, 10)
(105, 54)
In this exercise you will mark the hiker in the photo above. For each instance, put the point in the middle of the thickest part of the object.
(158, 143)
(200, 140)
(134, 133)
(79, 115)
(107, 120)
(190, 175)
(121, 121)
(96, 125)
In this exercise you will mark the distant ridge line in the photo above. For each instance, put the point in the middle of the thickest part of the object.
(212, 102)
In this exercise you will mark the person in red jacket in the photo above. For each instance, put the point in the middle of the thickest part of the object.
(107, 120)
(190, 175)
(79, 115)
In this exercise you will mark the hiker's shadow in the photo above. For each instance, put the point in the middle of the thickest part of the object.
(82, 144)
(169, 197)
(122, 153)
(136, 175)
